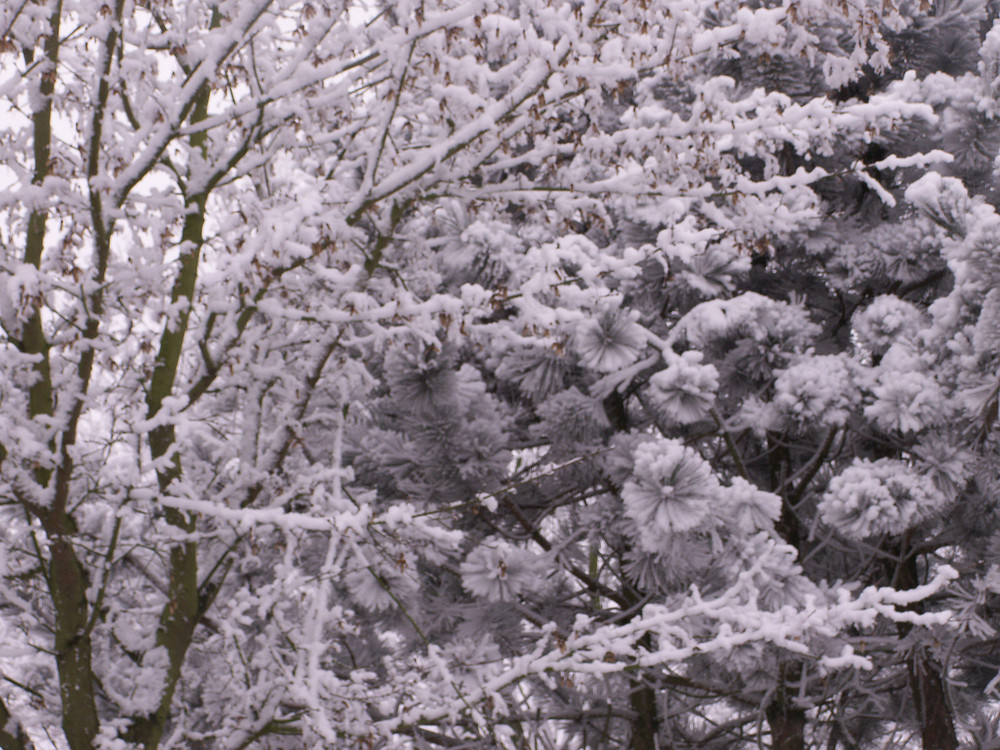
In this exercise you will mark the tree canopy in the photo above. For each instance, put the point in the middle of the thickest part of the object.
(499, 373)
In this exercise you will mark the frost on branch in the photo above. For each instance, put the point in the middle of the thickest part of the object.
(906, 401)
(870, 498)
(685, 390)
(498, 571)
(454, 373)
(748, 508)
(609, 342)
(672, 490)
(818, 389)
(884, 321)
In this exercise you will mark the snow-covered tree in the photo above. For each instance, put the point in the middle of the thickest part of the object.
(778, 355)
(440, 373)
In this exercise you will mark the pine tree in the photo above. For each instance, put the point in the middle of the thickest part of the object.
(791, 375)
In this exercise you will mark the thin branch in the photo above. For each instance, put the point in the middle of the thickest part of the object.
(577, 573)
(734, 452)
(808, 471)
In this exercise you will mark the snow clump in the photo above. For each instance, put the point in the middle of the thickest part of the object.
(886, 320)
(671, 490)
(499, 571)
(907, 401)
(870, 498)
(749, 508)
(685, 391)
(817, 390)
(609, 342)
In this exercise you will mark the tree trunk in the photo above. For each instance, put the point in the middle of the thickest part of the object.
(68, 588)
(647, 722)
(788, 726)
(786, 721)
(937, 730)
(930, 702)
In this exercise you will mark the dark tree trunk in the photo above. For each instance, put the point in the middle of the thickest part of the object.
(786, 721)
(788, 726)
(930, 702)
(937, 730)
(647, 721)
